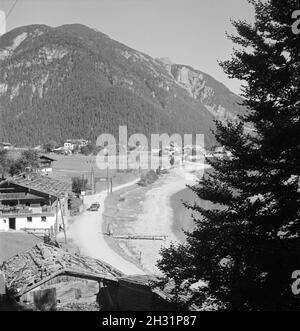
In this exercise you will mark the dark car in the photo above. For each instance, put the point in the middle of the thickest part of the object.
(94, 206)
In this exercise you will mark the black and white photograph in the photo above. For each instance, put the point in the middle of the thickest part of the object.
(149, 158)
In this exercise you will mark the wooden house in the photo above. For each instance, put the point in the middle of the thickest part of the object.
(33, 201)
(45, 164)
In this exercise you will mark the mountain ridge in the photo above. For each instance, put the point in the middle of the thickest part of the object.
(73, 81)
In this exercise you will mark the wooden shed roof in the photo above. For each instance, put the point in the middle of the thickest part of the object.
(47, 158)
(28, 270)
(40, 183)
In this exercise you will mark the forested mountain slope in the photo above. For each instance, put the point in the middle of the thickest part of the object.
(73, 82)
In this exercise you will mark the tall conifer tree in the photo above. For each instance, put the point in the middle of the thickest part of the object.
(247, 250)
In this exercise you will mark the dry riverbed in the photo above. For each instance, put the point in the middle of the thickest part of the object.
(145, 211)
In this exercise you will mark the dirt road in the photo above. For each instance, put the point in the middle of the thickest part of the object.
(86, 233)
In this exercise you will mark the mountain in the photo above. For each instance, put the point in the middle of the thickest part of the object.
(75, 82)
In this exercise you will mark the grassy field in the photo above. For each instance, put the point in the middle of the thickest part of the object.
(77, 165)
(66, 167)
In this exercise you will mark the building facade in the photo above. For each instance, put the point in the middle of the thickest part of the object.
(6, 146)
(33, 202)
(71, 144)
(45, 164)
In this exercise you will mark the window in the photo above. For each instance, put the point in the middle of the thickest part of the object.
(44, 218)
(29, 219)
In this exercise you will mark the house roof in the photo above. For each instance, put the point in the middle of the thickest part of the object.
(44, 157)
(40, 183)
(43, 262)
(5, 144)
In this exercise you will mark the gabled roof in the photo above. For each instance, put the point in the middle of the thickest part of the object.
(5, 144)
(40, 183)
(44, 157)
(28, 270)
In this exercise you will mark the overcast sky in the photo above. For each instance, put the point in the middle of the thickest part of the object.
(187, 31)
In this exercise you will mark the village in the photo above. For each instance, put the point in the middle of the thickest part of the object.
(149, 159)
(37, 207)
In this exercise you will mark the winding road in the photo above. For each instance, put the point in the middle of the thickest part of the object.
(86, 232)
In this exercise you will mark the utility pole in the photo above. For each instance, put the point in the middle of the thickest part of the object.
(92, 176)
(93, 180)
(107, 179)
(63, 220)
(56, 220)
(107, 168)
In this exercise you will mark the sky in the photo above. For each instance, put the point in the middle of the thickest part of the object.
(190, 32)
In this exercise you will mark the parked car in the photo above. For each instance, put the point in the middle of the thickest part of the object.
(94, 206)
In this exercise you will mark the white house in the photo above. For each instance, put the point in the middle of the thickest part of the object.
(32, 201)
(6, 146)
(71, 144)
(45, 164)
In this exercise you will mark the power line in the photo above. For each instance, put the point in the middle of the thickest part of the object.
(9, 12)
(12, 8)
